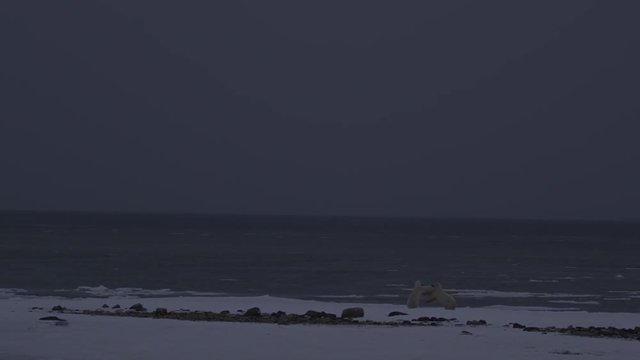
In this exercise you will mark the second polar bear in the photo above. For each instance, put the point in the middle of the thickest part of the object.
(430, 293)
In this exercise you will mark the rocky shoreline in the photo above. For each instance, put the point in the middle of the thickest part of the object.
(591, 331)
(349, 316)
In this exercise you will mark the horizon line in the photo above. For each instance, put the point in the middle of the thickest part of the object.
(319, 215)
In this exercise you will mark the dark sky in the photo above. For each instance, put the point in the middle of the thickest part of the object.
(405, 108)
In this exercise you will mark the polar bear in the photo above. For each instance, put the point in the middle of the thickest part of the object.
(442, 297)
(418, 293)
(430, 293)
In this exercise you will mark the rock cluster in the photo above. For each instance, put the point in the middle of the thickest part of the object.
(254, 311)
(432, 321)
(591, 331)
(160, 312)
(476, 322)
(255, 315)
(137, 307)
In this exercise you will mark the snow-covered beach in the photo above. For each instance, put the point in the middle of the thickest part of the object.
(24, 337)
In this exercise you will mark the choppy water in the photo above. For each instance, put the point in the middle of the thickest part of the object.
(583, 265)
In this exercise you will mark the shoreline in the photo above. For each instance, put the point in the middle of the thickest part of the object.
(82, 328)
(313, 317)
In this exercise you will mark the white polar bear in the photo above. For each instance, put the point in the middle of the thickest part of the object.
(430, 293)
(418, 293)
(442, 297)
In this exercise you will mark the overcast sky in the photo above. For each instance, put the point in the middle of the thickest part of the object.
(404, 108)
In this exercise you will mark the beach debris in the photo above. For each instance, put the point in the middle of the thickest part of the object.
(116, 306)
(137, 307)
(58, 308)
(476, 322)
(36, 308)
(465, 332)
(353, 312)
(517, 326)
(254, 311)
(105, 306)
(396, 313)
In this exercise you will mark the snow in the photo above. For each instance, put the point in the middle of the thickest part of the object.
(24, 337)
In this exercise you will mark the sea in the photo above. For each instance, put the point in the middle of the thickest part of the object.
(565, 265)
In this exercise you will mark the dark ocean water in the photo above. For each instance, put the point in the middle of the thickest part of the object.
(593, 266)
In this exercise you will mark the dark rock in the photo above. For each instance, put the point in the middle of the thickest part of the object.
(431, 319)
(565, 352)
(531, 328)
(396, 313)
(476, 322)
(517, 326)
(278, 314)
(105, 306)
(313, 314)
(330, 316)
(116, 306)
(464, 332)
(137, 307)
(58, 308)
(254, 311)
(160, 311)
(224, 312)
(36, 308)
(354, 312)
